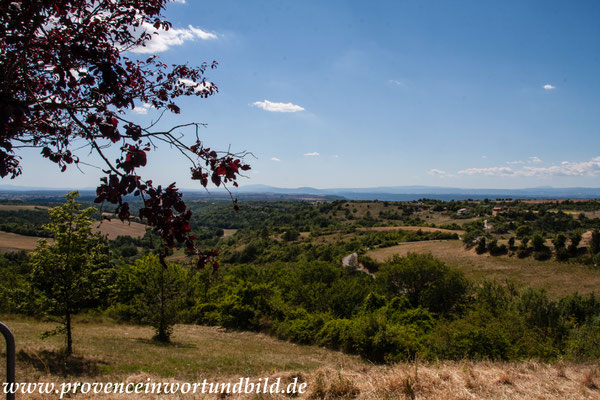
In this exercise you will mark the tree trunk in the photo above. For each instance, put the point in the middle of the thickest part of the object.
(163, 335)
(69, 339)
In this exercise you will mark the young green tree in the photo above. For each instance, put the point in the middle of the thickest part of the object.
(154, 293)
(68, 273)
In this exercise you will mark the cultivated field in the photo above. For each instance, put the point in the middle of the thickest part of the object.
(13, 242)
(109, 352)
(17, 207)
(115, 227)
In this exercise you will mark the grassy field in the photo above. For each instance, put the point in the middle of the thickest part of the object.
(106, 351)
(558, 278)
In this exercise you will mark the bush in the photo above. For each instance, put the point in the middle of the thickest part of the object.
(425, 282)
(561, 254)
(523, 252)
(538, 242)
(542, 255)
(290, 235)
(584, 341)
(511, 242)
(481, 246)
(523, 231)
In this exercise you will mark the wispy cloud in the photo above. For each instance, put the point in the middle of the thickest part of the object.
(490, 171)
(162, 40)
(313, 154)
(143, 109)
(516, 162)
(565, 168)
(549, 87)
(178, 1)
(535, 160)
(396, 82)
(335, 156)
(440, 173)
(277, 107)
(275, 159)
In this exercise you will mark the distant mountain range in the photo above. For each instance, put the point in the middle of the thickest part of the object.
(390, 193)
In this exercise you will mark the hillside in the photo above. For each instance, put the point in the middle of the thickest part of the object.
(106, 351)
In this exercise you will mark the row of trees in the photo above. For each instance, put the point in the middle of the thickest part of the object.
(564, 246)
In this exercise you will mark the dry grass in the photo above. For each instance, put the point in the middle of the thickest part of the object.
(109, 352)
(452, 380)
(229, 232)
(105, 349)
(14, 242)
(115, 227)
(15, 207)
(410, 229)
(558, 278)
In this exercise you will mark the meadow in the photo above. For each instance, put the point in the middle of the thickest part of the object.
(109, 352)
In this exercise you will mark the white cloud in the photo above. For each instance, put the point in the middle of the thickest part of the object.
(484, 157)
(549, 87)
(396, 82)
(143, 109)
(440, 173)
(197, 86)
(277, 107)
(565, 168)
(491, 171)
(515, 162)
(535, 159)
(275, 159)
(335, 156)
(162, 40)
(436, 172)
(179, 1)
(313, 154)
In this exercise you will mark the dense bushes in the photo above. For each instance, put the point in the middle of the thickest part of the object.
(414, 306)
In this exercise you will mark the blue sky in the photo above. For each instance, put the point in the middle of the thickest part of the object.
(501, 94)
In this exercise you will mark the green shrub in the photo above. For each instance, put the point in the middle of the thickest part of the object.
(425, 282)
(584, 341)
(481, 246)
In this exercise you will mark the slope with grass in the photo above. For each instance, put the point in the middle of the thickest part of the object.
(109, 352)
